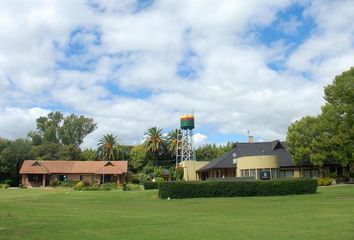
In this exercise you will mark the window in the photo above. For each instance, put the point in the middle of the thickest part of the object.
(61, 178)
(311, 173)
(34, 178)
(274, 173)
(247, 173)
(252, 172)
(242, 173)
(286, 173)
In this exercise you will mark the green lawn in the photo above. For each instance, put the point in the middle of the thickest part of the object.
(58, 214)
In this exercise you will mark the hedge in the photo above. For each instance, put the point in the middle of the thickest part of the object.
(150, 185)
(237, 188)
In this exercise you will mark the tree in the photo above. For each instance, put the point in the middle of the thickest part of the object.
(55, 128)
(299, 138)
(209, 152)
(11, 158)
(138, 158)
(48, 129)
(56, 151)
(69, 152)
(154, 142)
(330, 135)
(108, 147)
(172, 138)
(88, 154)
(75, 129)
(338, 113)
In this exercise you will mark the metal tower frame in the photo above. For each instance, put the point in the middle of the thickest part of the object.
(185, 150)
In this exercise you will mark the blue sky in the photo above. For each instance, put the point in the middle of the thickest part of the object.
(240, 65)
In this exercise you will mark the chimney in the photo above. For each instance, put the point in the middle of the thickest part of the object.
(250, 139)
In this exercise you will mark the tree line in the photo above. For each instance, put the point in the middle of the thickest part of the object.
(59, 138)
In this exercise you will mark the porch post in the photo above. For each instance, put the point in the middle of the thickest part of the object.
(43, 180)
(24, 180)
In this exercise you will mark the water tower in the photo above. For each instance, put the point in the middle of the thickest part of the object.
(185, 150)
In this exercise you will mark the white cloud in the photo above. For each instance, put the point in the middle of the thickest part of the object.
(199, 139)
(16, 122)
(234, 88)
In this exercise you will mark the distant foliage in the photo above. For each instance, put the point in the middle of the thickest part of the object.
(212, 151)
(89, 154)
(138, 158)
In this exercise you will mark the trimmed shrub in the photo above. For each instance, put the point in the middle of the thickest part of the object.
(237, 188)
(150, 185)
(324, 181)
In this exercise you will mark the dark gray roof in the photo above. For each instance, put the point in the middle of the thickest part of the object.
(253, 149)
(225, 161)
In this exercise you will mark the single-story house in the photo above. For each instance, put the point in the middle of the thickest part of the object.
(250, 159)
(39, 173)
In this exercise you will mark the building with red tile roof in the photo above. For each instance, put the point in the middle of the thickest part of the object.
(39, 173)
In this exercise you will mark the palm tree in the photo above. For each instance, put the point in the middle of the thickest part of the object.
(108, 147)
(154, 142)
(172, 138)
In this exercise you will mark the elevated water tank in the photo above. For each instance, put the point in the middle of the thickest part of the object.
(187, 122)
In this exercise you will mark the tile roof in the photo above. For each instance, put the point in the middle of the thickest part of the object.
(88, 167)
(252, 149)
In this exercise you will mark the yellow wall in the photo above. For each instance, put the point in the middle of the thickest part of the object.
(256, 162)
(190, 168)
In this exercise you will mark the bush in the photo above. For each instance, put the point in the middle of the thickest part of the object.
(150, 185)
(70, 183)
(135, 181)
(143, 177)
(324, 181)
(9, 182)
(53, 183)
(333, 174)
(131, 187)
(159, 179)
(109, 186)
(236, 188)
(79, 186)
(82, 186)
(4, 185)
(179, 171)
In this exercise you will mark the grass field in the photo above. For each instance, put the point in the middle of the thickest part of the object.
(58, 214)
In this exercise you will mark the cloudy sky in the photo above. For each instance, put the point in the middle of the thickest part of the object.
(239, 65)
